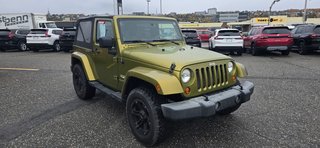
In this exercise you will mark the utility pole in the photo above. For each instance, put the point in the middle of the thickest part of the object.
(119, 7)
(305, 12)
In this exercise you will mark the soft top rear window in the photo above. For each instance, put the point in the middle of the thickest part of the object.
(279, 30)
(38, 31)
(229, 33)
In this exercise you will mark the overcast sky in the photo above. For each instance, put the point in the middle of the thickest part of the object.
(180, 6)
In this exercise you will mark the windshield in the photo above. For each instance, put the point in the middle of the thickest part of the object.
(51, 25)
(148, 30)
(317, 30)
(229, 33)
(276, 31)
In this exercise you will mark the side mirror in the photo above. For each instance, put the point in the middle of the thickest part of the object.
(106, 42)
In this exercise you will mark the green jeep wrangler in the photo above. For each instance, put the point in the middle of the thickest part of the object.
(145, 63)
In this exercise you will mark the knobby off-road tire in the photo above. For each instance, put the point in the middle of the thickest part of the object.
(80, 83)
(145, 116)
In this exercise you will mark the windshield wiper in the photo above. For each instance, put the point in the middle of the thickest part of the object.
(140, 41)
(165, 40)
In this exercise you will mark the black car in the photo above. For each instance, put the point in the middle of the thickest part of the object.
(192, 37)
(67, 38)
(13, 39)
(306, 38)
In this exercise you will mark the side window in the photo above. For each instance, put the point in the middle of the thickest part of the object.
(299, 30)
(104, 29)
(252, 32)
(84, 34)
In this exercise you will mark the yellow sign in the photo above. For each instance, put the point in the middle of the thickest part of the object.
(273, 20)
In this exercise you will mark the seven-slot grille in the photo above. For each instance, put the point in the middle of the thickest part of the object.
(212, 77)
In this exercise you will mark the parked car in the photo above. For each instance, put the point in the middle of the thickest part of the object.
(39, 39)
(306, 38)
(226, 40)
(204, 35)
(13, 39)
(66, 39)
(269, 39)
(192, 37)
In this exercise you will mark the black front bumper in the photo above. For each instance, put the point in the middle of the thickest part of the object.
(204, 106)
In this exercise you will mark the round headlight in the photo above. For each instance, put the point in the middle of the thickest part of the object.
(186, 76)
(230, 66)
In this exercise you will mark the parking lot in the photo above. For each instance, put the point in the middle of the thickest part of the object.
(40, 108)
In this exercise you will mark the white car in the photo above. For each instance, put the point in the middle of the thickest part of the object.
(39, 39)
(227, 40)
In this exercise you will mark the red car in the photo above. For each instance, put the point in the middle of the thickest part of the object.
(269, 39)
(204, 35)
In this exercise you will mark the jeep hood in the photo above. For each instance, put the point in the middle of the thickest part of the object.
(164, 56)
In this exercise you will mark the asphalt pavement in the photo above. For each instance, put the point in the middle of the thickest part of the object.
(39, 107)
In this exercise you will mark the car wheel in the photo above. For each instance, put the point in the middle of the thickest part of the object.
(253, 49)
(80, 83)
(287, 52)
(56, 46)
(302, 48)
(23, 46)
(145, 116)
(228, 110)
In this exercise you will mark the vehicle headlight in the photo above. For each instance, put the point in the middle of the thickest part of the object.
(230, 66)
(186, 76)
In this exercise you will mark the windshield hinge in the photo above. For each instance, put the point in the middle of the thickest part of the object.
(172, 67)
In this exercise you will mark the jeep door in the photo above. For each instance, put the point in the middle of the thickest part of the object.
(105, 59)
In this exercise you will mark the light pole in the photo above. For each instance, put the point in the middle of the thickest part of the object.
(161, 7)
(270, 10)
(305, 12)
(148, 6)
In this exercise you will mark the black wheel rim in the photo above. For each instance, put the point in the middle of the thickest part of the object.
(140, 118)
(78, 81)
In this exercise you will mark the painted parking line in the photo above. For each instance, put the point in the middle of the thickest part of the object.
(20, 69)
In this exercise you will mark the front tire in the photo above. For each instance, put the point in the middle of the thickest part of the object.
(145, 116)
(80, 83)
